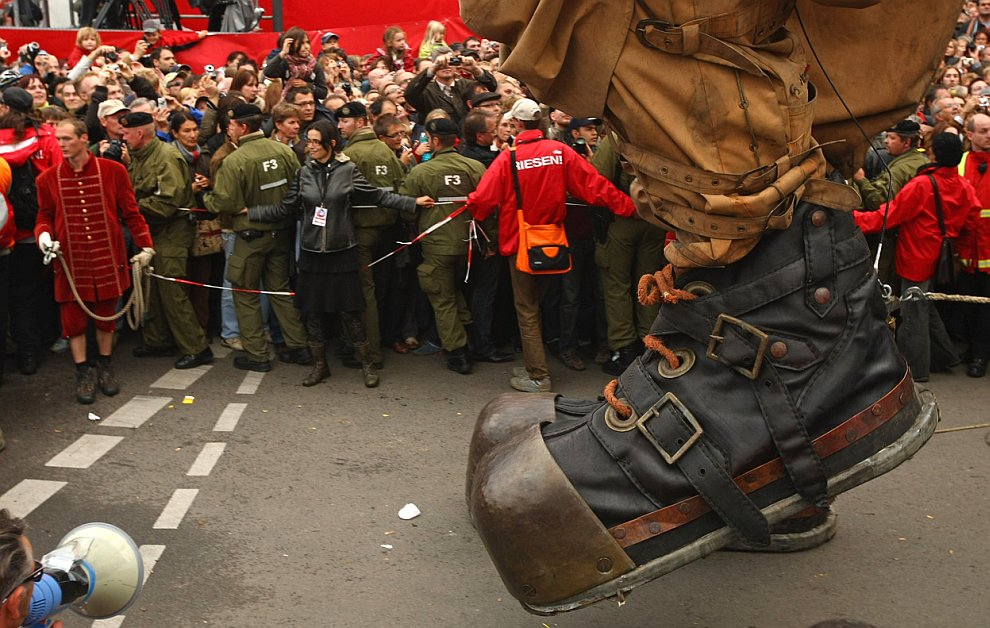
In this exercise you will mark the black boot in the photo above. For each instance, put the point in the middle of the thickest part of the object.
(105, 377)
(625, 356)
(85, 384)
(769, 386)
(458, 362)
(368, 368)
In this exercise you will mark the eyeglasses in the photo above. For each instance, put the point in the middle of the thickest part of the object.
(397, 134)
(34, 576)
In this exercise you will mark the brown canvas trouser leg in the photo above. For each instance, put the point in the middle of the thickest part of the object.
(527, 292)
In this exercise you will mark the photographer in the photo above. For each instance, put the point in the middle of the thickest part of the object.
(18, 572)
(441, 87)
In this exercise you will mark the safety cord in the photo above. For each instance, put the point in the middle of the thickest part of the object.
(136, 305)
(652, 289)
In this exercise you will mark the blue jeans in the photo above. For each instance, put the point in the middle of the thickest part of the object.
(229, 328)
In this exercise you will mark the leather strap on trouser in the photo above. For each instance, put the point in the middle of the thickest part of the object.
(679, 439)
(753, 22)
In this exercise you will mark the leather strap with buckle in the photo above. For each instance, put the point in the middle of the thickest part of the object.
(755, 19)
(745, 361)
(851, 431)
(673, 431)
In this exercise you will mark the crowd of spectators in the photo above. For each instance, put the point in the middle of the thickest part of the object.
(590, 314)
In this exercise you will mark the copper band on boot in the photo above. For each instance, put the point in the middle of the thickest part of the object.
(851, 431)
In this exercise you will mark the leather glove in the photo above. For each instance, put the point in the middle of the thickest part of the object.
(144, 257)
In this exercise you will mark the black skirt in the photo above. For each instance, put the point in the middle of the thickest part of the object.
(329, 282)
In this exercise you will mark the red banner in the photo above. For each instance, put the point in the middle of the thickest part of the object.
(360, 30)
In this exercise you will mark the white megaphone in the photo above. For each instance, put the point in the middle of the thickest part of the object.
(96, 570)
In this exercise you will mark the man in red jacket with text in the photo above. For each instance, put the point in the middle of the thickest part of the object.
(974, 246)
(547, 172)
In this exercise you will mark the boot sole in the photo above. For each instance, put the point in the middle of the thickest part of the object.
(886, 459)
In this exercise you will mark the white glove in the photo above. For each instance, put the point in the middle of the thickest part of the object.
(144, 257)
(45, 242)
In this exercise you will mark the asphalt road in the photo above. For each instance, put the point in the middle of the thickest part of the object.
(290, 516)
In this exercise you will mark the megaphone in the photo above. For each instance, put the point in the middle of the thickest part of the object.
(96, 570)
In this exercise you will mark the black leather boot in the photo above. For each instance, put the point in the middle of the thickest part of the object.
(770, 386)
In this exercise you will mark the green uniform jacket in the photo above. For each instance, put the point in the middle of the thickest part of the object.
(162, 185)
(448, 178)
(606, 162)
(902, 169)
(257, 173)
(379, 165)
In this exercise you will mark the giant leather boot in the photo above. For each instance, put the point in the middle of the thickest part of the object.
(769, 386)
(320, 370)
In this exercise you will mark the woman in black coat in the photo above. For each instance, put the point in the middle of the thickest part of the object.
(324, 194)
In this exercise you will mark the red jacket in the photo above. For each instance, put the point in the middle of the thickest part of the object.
(83, 211)
(40, 147)
(913, 210)
(974, 245)
(7, 226)
(548, 171)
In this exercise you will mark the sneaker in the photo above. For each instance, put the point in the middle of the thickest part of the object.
(520, 372)
(60, 346)
(232, 343)
(427, 348)
(572, 360)
(106, 379)
(528, 384)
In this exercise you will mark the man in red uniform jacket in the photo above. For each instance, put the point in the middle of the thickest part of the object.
(81, 203)
(548, 171)
(921, 336)
(974, 246)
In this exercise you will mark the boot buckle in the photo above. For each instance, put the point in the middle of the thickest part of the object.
(619, 424)
(717, 337)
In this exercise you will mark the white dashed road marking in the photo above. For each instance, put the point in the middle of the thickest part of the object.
(136, 411)
(207, 459)
(231, 415)
(27, 495)
(84, 452)
(250, 384)
(181, 379)
(176, 509)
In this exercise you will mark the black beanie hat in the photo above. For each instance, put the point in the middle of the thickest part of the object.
(948, 149)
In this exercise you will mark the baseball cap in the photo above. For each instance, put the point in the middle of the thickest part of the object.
(577, 123)
(525, 109)
(151, 25)
(110, 107)
(326, 37)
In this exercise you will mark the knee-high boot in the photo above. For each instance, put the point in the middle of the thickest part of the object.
(320, 370)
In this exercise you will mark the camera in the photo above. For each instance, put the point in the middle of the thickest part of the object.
(454, 61)
(211, 71)
(30, 52)
(347, 87)
(162, 103)
(581, 147)
(112, 56)
(115, 151)
(984, 101)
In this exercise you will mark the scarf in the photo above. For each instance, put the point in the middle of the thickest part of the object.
(191, 157)
(300, 68)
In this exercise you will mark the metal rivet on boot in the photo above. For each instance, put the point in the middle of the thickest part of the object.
(684, 508)
(877, 409)
(823, 296)
(604, 565)
(819, 218)
(619, 533)
(778, 349)
(654, 527)
(851, 436)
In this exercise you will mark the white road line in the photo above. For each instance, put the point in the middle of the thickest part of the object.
(136, 411)
(27, 495)
(176, 509)
(231, 415)
(207, 459)
(220, 351)
(149, 556)
(181, 379)
(87, 449)
(250, 384)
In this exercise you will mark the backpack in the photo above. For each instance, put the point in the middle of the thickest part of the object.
(23, 195)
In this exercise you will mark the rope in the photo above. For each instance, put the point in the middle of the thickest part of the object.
(978, 426)
(136, 305)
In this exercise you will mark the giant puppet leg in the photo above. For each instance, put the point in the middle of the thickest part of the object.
(732, 423)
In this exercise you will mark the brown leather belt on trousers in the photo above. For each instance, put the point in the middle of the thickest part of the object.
(658, 522)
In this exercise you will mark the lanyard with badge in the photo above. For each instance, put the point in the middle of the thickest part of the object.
(320, 212)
